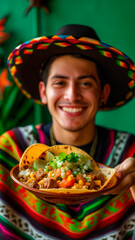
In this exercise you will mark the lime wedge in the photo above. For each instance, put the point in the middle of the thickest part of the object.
(49, 156)
(86, 160)
(39, 163)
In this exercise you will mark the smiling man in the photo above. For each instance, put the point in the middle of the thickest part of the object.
(73, 94)
(75, 75)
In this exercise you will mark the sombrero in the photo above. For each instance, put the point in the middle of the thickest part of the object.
(25, 62)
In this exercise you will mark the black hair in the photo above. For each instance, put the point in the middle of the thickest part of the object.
(44, 72)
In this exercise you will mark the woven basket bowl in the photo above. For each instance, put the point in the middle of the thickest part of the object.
(64, 197)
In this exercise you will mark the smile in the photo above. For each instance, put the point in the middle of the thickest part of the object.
(73, 110)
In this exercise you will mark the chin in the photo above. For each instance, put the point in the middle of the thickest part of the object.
(73, 128)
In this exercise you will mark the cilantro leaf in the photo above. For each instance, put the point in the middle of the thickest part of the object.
(62, 156)
(72, 157)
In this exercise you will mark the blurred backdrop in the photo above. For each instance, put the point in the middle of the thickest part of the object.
(114, 22)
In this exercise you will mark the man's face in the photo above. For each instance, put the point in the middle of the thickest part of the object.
(72, 92)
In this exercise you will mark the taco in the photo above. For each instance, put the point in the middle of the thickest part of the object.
(63, 169)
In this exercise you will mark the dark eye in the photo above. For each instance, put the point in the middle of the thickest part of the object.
(59, 83)
(87, 84)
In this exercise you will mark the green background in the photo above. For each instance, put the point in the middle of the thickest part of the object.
(113, 20)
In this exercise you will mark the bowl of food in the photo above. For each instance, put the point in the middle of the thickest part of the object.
(62, 174)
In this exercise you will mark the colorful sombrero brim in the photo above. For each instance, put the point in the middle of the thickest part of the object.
(25, 63)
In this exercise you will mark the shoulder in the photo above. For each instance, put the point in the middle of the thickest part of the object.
(117, 139)
(115, 133)
(116, 145)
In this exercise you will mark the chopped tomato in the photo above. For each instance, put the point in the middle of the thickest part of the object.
(68, 172)
(50, 168)
(63, 183)
(71, 183)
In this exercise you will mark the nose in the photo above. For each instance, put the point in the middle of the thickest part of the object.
(72, 93)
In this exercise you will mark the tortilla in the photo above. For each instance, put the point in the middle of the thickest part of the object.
(31, 154)
(39, 150)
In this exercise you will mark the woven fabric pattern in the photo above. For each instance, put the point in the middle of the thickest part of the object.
(24, 216)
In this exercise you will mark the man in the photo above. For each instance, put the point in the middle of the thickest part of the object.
(76, 75)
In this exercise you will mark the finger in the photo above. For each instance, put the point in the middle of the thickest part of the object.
(132, 189)
(125, 183)
(126, 167)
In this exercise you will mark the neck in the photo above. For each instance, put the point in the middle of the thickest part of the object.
(76, 138)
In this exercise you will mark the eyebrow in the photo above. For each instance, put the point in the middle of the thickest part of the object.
(58, 76)
(88, 76)
(79, 78)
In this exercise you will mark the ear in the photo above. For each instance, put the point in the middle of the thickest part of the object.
(42, 92)
(105, 94)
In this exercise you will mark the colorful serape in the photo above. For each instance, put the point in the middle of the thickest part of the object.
(24, 216)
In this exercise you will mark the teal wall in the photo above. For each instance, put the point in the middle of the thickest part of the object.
(114, 21)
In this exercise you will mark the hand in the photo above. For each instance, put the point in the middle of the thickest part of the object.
(126, 175)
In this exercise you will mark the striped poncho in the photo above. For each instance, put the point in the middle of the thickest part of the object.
(24, 216)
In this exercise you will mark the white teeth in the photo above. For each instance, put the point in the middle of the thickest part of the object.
(66, 109)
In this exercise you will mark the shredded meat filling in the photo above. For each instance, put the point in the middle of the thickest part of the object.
(40, 174)
(48, 183)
